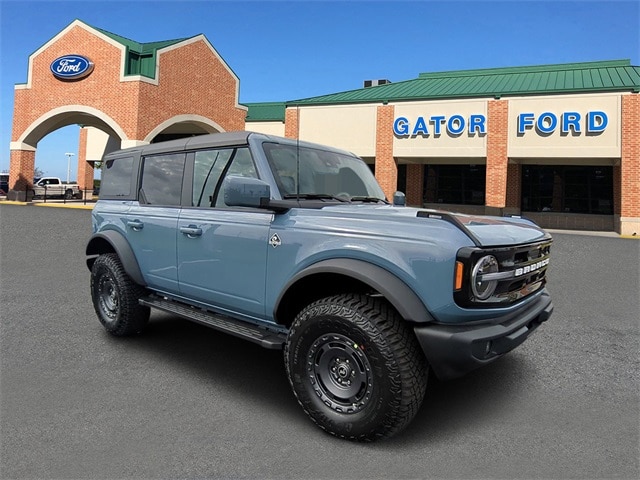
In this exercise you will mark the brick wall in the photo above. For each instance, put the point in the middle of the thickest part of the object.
(497, 158)
(21, 166)
(386, 168)
(630, 162)
(514, 185)
(291, 119)
(415, 184)
(192, 80)
(85, 169)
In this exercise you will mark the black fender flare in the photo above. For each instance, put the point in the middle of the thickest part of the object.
(393, 289)
(121, 247)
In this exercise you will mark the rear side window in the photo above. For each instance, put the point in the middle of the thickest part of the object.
(116, 177)
(162, 179)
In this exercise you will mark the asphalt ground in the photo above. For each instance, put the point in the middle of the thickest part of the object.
(183, 401)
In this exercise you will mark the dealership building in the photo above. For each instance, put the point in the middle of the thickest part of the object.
(556, 143)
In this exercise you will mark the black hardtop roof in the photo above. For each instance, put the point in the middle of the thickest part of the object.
(188, 143)
(213, 140)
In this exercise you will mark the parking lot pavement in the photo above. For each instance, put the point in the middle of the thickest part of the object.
(182, 401)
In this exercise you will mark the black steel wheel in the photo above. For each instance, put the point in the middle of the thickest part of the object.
(115, 297)
(355, 367)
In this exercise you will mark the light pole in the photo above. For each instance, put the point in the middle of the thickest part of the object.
(69, 155)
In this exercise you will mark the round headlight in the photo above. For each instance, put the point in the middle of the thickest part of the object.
(483, 289)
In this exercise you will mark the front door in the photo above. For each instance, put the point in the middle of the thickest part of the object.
(222, 251)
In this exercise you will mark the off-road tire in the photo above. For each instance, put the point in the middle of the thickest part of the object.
(115, 297)
(355, 367)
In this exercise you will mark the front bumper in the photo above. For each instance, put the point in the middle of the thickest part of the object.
(453, 350)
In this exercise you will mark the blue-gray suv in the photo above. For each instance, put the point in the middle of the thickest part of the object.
(293, 246)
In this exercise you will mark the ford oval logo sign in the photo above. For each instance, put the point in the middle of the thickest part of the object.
(71, 67)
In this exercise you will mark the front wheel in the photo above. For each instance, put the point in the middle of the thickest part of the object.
(115, 297)
(355, 367)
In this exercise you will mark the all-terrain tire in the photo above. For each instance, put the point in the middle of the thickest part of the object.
(115, 297)
(355, 367)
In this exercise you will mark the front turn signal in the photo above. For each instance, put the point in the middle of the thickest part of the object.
(458, 278)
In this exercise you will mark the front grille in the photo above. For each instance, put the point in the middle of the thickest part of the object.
(521, 271)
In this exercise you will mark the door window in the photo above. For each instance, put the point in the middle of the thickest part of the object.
(162, 179)
(210, 169)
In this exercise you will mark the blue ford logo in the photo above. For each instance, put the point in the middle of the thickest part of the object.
(71, 67)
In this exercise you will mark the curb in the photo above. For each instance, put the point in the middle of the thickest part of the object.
(53, 205)
(64, 205)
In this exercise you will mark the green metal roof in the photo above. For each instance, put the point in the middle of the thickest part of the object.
(140, 57)
(614, 75)
(264, 112)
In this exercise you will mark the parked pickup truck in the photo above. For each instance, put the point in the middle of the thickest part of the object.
(54, 187)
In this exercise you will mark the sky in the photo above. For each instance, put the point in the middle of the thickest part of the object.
(287, 50)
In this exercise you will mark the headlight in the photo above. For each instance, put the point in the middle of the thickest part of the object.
(482, 288)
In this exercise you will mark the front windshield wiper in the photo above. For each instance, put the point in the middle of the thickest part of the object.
(314, 196)
(368, 199)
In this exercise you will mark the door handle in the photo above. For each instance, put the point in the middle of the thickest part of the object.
(191, 231)
(136, 225)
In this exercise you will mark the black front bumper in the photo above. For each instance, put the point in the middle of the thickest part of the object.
(453, 350)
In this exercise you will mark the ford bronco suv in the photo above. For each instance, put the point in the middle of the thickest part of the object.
(293, 246)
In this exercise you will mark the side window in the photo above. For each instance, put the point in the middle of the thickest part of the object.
(210, 168)
(54, 181)
(207, 171)
(162, 179)
(116, 177)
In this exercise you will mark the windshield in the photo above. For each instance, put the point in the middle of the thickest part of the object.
(322, 174)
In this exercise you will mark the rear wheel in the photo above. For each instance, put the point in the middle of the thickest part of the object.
(68, 194)
(355, 367)
(115, 297)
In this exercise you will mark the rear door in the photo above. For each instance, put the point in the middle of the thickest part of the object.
(151, 223)
(222, 251)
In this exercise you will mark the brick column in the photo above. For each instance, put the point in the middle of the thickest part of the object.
(415, 185)
(630, 166)
(514, 187)
(21, 168)
(85, 169)
(497, 157)
(386, 168)
(291, 123)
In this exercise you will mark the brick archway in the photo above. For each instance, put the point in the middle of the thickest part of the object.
(184, 124)
(135, 92)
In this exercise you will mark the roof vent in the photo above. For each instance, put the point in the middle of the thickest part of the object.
(375, 83)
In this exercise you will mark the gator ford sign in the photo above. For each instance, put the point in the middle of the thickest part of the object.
(71, 67)
(593, 123)
(548, 122)
(436, 124)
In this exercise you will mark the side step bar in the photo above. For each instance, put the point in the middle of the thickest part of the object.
(254, 333)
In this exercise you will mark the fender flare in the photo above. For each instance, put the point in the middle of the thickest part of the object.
(120, 245)
(396, 291)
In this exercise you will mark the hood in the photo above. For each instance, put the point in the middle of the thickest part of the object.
(488, 231)
(484, 231)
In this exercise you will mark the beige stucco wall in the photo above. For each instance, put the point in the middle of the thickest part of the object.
(531, 144)
(99, 144)
(350, 127)
(467, 144)
(268, 128)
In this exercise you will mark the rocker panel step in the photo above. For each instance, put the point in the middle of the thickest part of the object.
(238, 328)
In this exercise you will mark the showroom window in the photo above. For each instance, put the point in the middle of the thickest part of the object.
(458, 184)
(567, 189)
